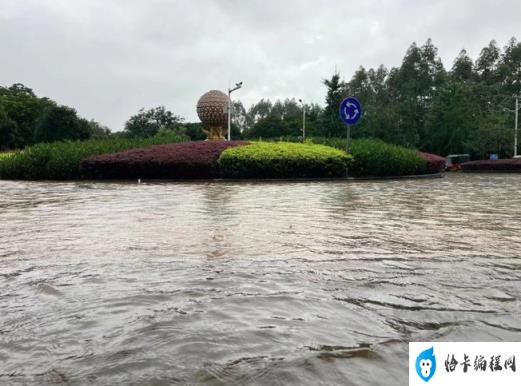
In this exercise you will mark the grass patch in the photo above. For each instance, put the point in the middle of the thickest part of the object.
(283, 160)
(61, 160)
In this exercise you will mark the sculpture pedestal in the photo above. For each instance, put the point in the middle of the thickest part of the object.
(212, 109)
(214, 133)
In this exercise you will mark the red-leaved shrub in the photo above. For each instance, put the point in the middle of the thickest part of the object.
(502, 165)
(188, 160)
(435, 163)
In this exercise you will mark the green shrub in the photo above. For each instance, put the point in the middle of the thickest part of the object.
(283, 160)
(6, 154)
(61, 160)
(379, 159)
(375, 158)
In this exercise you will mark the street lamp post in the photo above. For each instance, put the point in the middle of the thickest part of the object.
(230, 90)
(303, 120)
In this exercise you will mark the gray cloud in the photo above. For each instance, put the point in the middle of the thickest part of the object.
(109, 58)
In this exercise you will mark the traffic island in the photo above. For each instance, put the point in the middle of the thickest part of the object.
(262, 160)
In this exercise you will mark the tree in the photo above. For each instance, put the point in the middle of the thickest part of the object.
(23, 108)
(8, 131)
(260, 110)
(463, 68)
(268, 127)
(239, 116)
(361, 86)
(194, 130)
(26, 119)
(280, 119)
(416, 104)
(336, 90)
(18, 89)
(96, 129)
(509, 67)
(413, 87)
(487, 63)
(451, 120)
(148, 123)
(313, 120)
(62, 123)
(292, 118)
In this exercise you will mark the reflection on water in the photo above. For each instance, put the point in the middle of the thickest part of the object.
(251, 283)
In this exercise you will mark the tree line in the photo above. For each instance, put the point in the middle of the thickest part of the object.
(466, 109)
(26, 119)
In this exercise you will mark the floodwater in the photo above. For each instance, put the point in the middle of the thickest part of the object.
(317, 283)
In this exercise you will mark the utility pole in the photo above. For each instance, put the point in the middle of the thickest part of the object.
(230, 90)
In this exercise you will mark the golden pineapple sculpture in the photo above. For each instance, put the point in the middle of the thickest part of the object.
(212, 109)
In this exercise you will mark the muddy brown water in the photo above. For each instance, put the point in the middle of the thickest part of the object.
(317, 283)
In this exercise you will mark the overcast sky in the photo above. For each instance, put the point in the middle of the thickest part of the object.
(110, 58)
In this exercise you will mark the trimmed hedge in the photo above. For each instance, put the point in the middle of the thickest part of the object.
(375, 158)
(213, 159)
(434, 163)
(502, 165)
(6, 154)
(189, 160)
(283, 160)
(61, 160)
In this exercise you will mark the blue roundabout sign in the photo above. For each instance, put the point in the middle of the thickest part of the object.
(350, 111)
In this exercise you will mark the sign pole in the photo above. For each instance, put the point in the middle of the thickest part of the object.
(348, 138)
(350, 113)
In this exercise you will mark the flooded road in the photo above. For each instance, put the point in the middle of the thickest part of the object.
(316, 283)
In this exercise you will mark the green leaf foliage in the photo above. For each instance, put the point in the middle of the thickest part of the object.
(61, 160)
(147, 123)
(6, 154)
(379, 159)
(26, 119)
(464, 109)
(283, 160)
(61, 123)
(375, 158)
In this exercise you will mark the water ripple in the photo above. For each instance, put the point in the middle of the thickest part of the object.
(251, 283)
